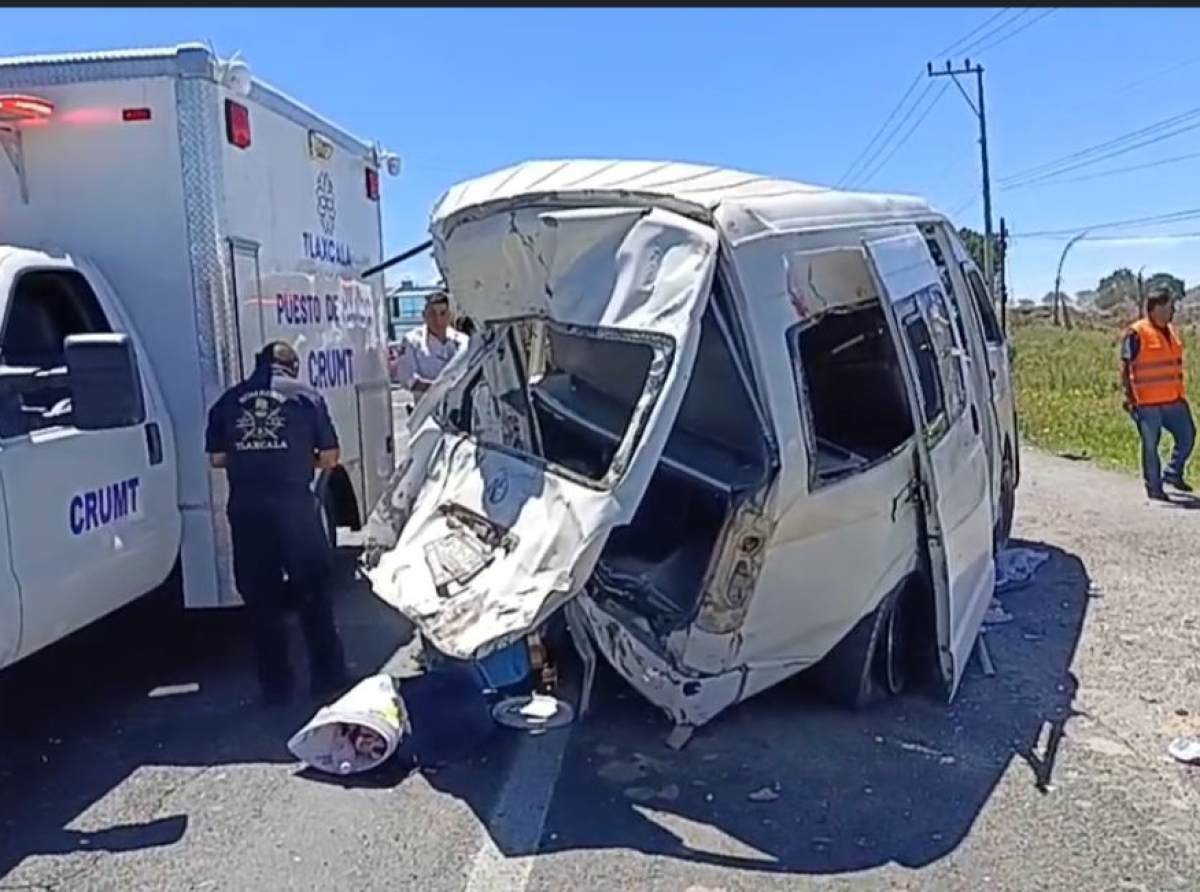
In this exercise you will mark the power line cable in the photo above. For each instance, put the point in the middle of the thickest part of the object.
(955, 47)
(1054, 166)
(1153, 220)
(1015, 32)
(855, 164)
(862, 161)
(868, 176)
(1118, 238)
(1054, 180)
(1131, 86)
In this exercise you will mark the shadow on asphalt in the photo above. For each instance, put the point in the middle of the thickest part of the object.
(783, 784)
(142, 689)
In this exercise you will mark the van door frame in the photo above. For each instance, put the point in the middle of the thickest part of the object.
(960, 560)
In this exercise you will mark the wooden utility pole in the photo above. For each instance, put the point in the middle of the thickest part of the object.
(981, 114)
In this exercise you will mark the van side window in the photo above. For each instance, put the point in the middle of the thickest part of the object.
(983, 302)
(946, 350)
(920, 341)
(46, 307)
(939, 260)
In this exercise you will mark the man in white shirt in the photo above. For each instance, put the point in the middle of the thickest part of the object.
(424, 351)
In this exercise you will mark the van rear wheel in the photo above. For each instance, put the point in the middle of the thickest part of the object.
(874, 661)
(1007, 508)
(892, 651)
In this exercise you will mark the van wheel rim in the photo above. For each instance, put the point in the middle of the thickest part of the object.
(894, 674)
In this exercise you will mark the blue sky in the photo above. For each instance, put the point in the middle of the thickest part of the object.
(794, 93)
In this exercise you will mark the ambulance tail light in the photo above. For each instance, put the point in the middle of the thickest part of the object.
(237, 124)
(19, 107)
(129, 115)
(372, 184)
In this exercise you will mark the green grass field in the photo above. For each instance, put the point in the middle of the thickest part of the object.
(1069, 397)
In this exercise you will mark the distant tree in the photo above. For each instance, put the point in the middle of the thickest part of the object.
(973, 241)
(1166, 280)
(1118, 287)
(1024, 303)
(1048, 299)
(1086, 298)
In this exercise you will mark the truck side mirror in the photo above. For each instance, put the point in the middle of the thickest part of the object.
(106, 387)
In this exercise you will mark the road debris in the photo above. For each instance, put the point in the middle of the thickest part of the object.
(533, 712)
(1185, 750)
(1016, 567)
(357, 732)
(765, 794)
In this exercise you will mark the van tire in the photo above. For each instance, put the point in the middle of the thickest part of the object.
(1007, 508)
(890, 662)
(872, 663)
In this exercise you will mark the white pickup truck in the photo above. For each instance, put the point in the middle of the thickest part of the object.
(162, 216)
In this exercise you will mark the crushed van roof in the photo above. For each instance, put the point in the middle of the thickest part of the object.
(742, 203)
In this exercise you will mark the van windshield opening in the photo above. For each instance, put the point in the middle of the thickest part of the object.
(565, 396)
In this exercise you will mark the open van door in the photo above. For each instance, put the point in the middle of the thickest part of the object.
(505, 526)
(952, 458)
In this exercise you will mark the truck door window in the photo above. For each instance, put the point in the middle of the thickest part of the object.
(992, 332)
(46, 307)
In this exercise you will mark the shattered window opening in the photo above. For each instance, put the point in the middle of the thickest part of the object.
(578, 411)
(851, 390)
(992, 332)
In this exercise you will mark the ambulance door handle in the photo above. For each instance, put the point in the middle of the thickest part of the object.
(154, 450)
(974, 419)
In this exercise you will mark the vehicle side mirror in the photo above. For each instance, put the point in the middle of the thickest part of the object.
(106, 386)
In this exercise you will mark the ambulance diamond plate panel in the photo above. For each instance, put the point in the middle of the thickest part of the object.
(75, 68)
(216, 331)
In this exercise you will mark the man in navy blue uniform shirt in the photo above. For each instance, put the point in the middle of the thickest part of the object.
(269, 433)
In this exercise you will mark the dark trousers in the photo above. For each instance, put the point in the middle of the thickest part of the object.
(1176, 419)
(272, 536)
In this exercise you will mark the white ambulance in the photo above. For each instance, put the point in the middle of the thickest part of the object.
(162, 216)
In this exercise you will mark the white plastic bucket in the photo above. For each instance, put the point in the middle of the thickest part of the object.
(356, 733)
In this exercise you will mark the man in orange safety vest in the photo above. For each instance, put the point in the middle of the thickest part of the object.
(1152, 377)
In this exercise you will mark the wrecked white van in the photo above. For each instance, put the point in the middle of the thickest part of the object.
(736, 426)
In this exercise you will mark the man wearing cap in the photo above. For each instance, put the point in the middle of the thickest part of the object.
(269, 433)
(426, 350)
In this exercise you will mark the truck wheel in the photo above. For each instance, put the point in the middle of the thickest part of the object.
(1006, 510)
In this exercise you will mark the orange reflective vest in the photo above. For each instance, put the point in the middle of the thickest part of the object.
(1156, 373)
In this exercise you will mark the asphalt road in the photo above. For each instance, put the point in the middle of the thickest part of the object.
(134, 760)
